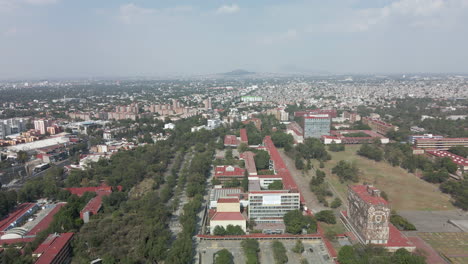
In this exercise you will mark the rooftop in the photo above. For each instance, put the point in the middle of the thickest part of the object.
(230, 140)
(13, 216)
(365, 193)
(243, 135)
(227, 216)
(51, 247)
(229, 171)
(228, 200)
(45, 222)
(459, 160)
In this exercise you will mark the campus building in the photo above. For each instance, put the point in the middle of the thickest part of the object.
(56, 249)
(271, 206)
(369, 214)
(368, 218)
(229, 173)
(227, 213)
(378, 125)
(440, 143)
(316, 125)
(412, 138)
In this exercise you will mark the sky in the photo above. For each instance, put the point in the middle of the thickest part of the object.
(96, 38)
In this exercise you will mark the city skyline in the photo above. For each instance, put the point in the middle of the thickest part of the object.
(59, 38)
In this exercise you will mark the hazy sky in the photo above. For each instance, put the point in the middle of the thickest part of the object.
(71, 38)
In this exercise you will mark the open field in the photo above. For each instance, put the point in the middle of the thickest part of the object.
(453, 246)
(405, 190)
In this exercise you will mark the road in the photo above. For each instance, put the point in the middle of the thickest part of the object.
(19, 183)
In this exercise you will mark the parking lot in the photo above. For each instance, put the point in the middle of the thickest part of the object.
(318, 254)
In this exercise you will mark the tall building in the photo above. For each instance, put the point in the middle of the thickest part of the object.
(271, 206)
(41, 126)
(316, 125)
(368, 214)
(208, 103)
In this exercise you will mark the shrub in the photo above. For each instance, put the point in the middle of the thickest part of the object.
(336, 203)
(298, 247)
(279, 252)
(326, 216)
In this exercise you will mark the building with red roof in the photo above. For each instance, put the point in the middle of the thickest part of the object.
(95, 204)
(368, 218)
(249, 161)
(243, 136)
(45, 222)
(16, 217)
(256, 121)
(227, 213)
(56, 249)
(228, 173)
(461, 162)
(230, 141)
(378, 125)
(341, 136)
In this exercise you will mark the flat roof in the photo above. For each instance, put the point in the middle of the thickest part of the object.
(230, 140)
(13, 216)
(459, 160)
(228, 171)
(45, 222)
(248, 157)
(39, 144)
(227, 216)
(228, 200)
(243, 135)
(363, 193)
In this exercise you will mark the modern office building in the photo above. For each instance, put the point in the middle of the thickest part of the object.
(12, 126)
(316, 125)
(412, 138)
(440, 143)
(271, 206)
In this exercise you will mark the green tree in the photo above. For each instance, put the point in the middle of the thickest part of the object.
(327, 216)
(22, 156)
(299, 163)
(298, 247)
(262, 160)
(346, 171)
(224, 257)
(279, 252)
(336, 203)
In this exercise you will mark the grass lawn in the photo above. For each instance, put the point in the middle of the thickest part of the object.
(405, 190)
(453, 245)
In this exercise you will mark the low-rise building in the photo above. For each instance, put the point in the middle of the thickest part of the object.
(56, 249)
(228, 213)
(229, 173)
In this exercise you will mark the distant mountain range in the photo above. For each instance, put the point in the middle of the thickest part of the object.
(238, 72)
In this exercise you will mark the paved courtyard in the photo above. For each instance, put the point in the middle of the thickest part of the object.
(435, 221)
